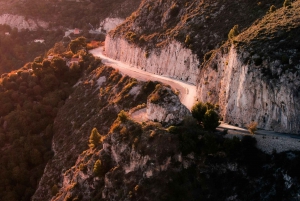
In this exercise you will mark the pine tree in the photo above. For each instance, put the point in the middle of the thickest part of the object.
(94, 137)
(211, 120)
(233, 32)
(97, 168)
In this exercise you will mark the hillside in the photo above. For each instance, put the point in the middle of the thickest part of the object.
(30, 100)
(262, 73)
(199, 25)
(249, 70)
(70, 14)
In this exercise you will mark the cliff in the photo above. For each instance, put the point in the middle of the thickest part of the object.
(19, 22)
(257, 77)
(173, 60)
(250, 83)
(95, 102)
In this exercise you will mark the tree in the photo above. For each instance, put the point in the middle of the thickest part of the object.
(211, 120)
(287, 3)
(233, 32)
(198, 111)
(78, 44)
(94, 138)
(54, 190)
(272, 9)
(97, 168)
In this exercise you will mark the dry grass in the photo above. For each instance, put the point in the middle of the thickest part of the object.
(252, 127)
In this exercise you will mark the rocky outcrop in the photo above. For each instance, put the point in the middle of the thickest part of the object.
(130, 158)
(173, 60)
(95, 103)
(245, 94)
(20, 22)
(164, 106)
(109, 24)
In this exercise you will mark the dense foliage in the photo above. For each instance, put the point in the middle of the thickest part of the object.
(29, 100)
(18, 48)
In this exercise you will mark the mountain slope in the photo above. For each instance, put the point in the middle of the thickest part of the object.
(261, 73)
(253, 76)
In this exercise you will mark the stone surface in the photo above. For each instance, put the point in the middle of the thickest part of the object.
(167, 109)
(20, 22)
(245, 95)
(173, 61)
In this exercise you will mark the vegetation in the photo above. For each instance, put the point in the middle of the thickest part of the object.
(205, 114)
(272, 9)
(123, 116)
(252, 127)
(211, 120)
(18, 48)
(94, 138)
(97, 168)
(29, 101)
(287, 3)
(233, 32)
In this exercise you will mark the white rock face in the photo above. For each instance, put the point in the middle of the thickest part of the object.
(19, 22)
(168, 110)
(110, 24)
(244, 95)
(173, 61)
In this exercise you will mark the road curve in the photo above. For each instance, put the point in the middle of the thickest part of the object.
(187, 92)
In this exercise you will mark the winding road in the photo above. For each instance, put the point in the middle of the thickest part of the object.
(187, 92)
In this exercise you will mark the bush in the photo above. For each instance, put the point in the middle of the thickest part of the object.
(94, 138)
(198, 111)
(173, 129)
(123, 116)
(272, 9)
(287, 3)
(252, 127)
(97, 167)
(233, 32)
(211, 120)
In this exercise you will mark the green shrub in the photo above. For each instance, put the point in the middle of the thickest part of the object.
(97, 167)
(95, 137)
(233, 32)
(287, 3)
(211, 120)
(123, 116)
(272, 9)
(172, 129)
(198, 111)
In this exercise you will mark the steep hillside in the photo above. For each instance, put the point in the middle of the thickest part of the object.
(256, 75)
(197, 24)
(95, 102)
(252, 76)
(30, 99)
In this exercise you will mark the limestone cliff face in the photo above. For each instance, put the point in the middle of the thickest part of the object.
(167, 109)
(245, 94)
(173, 60)
(20, 22)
